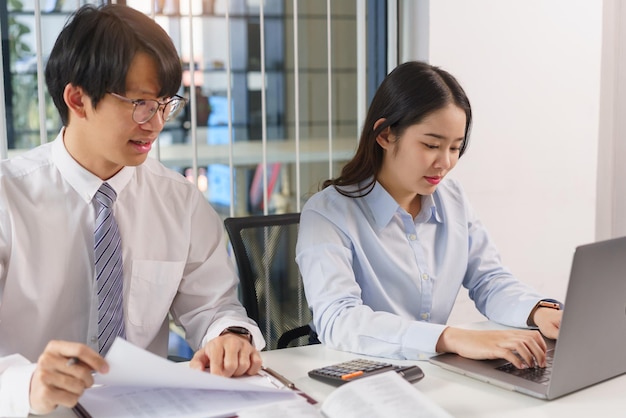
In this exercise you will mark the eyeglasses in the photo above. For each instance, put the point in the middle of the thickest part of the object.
(145, 109)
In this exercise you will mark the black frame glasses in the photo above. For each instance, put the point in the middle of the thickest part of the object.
(145, 109)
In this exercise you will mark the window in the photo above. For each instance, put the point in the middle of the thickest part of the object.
(277, 89)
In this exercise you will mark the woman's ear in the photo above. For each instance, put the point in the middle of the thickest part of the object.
(384, 138)
(74, 98)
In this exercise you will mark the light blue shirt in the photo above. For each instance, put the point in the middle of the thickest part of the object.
(382, 283)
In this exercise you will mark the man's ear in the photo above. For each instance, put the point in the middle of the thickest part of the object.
(384, 138)
(74, 98)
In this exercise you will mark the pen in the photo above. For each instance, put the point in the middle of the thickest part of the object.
(282, 379)
(72, 361)
(80, 411)
(288, 384)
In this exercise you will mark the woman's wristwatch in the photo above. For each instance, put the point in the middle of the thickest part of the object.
(541, 304)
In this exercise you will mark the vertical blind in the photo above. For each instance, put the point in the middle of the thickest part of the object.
(291, 153)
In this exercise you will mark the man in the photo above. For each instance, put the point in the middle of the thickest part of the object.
(99, 241)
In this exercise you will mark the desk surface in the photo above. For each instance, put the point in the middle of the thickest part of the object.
(461, 396)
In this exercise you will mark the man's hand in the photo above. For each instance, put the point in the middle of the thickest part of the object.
(548, 321)
(63, 373)
(228, 355)
(521, 347)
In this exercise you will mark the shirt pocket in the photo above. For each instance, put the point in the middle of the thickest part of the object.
(153, 286)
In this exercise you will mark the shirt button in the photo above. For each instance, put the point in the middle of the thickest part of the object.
(412, 237)
(424, 276)
(94, 339)
(425, 316)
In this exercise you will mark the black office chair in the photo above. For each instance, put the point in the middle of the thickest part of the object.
(270, 283)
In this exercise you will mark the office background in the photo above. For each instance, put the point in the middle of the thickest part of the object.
(543, 78)
(532, 71)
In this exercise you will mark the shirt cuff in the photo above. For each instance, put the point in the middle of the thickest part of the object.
(15, 390)
(420, 340)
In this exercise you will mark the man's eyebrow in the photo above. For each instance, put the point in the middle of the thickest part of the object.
(142, 92)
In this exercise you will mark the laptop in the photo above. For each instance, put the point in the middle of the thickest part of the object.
(591, 346)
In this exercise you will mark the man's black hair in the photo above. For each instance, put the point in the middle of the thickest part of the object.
(96, 47)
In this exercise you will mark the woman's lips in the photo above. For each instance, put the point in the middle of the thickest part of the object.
(433, 180)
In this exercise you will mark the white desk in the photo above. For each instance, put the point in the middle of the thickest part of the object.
(461, 396)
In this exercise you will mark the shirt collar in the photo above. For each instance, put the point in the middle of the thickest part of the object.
(383, 206)
(84, 182)
(429, 210)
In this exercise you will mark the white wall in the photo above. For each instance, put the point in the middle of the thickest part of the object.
(531, 69)
(611, 202)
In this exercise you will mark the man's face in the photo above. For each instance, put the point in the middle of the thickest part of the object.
(109, 138)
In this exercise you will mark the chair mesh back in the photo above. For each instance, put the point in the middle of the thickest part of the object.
(271, 286)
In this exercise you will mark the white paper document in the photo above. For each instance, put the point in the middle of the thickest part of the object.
(288, 409)
(378, 396)
(142, 384)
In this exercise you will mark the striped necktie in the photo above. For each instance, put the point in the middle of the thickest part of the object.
(109, 271)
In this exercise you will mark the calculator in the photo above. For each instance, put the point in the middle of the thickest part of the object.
(348, 371)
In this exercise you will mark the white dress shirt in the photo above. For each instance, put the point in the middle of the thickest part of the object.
(174, 255)
(382, 283)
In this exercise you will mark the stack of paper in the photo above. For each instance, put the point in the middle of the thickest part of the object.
(142, 384)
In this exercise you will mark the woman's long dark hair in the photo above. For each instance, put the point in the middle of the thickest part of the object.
(407, 95)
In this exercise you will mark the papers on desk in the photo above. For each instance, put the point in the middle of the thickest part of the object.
(379, 396)
(142, 384)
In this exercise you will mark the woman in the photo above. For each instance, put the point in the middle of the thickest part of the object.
(384, 248)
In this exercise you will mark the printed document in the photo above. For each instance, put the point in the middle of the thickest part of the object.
(142, 384)
(379, 396)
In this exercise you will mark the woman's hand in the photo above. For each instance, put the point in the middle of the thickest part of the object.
(548, 321)
(523, 348)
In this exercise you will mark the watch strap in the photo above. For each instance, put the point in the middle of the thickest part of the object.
(544, 303)
(244, 332)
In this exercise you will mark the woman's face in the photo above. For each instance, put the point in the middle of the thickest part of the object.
(415, 162)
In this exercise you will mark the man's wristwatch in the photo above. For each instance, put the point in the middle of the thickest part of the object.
(239, 331)
(541, 304)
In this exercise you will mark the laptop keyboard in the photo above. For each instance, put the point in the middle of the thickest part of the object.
(535, 374)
